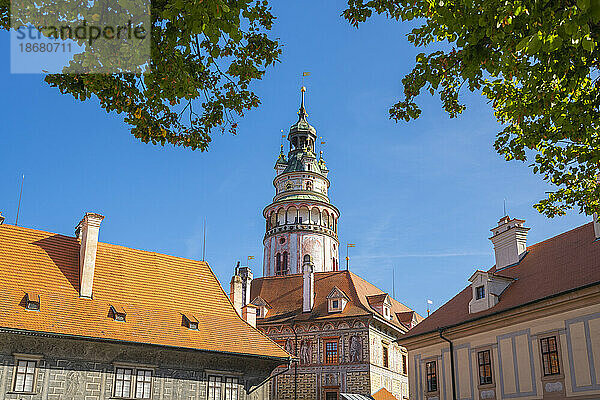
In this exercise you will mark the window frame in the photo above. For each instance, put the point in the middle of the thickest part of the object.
(404, 364)
(133, 384)
(556, 351)
(431, 379)
(480, 295)
(481, 364)
(228, 386)
(326, 359)
(385, 355)
(27, 358)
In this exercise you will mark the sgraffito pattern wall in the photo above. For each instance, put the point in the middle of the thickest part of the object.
(71, 369)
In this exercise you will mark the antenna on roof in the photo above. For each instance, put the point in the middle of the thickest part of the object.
(504, 215)
(394, 281)
(204, 240)
(19, 204)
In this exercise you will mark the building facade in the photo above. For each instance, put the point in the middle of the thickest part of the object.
(528, 328)
(340, 328)
(85, 320)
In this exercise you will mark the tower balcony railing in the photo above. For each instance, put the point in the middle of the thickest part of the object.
(304, 226)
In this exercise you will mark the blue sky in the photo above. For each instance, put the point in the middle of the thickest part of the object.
(417, 197)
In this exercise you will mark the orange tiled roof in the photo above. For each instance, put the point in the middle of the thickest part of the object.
(383, 394)
(154, 290)
(565, 262)
(284, 295)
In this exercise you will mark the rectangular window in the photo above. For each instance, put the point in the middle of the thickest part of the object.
(335, 304)
(231, 389)
(404, 365)
(25, 376)
(123, 378)
(331, 352)
(386, 357)
(214, 388)
(431, 376)
(143, 383)
(331, 396)
(479, 292)
(550, 356)
(484, 360)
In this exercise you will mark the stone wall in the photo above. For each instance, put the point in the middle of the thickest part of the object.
(70, 369)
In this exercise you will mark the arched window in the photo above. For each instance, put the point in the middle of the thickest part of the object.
(309, 185)
(278, 264)
(284, 268)
(336, 267)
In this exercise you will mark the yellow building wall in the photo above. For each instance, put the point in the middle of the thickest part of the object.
(516, 360)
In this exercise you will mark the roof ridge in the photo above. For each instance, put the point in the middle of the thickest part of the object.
(25, 228)
(559, 235)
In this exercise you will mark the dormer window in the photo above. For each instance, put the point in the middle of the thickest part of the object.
(336, 300)
(262, 307)
(382, 304)
(190, 322)
(117, 313)
(31, 301)
(486, 288)
(479, 292)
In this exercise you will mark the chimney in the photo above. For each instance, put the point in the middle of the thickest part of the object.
(235, 294)
(510, 241)
(249, 314)
(87, 232)
(246, 274)
(308, 285)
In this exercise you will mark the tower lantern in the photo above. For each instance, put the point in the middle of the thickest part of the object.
(301, 220)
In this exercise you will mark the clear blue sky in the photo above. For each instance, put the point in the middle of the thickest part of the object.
(419, 197)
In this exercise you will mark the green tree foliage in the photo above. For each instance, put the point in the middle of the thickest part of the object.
(537, 63)
(204, 56)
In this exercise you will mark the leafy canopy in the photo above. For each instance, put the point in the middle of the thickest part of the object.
(535, 60)
(204, 56)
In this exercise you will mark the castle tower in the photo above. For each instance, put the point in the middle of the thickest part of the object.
(301, 220)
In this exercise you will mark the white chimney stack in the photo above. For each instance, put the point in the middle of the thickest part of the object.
(235, 293)
(510, 241)
(308, 285)
(249, 314)
(87, 232)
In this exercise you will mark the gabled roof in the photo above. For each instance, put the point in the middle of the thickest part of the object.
(379, 299)
(260, 302)
(560, 264)
(155, 290)
(336, 293)
(284, 294)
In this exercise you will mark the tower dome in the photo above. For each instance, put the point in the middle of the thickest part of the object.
(301, 220)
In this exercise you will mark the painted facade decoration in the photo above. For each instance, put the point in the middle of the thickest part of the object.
(340, 329)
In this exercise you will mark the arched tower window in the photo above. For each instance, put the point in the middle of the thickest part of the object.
(309, 185)
(284, 267)
(278, 264)
(336, 267)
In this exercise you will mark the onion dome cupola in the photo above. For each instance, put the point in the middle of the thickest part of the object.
(301, 220)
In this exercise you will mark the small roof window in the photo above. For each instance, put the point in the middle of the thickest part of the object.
(189, 321)
(31, 301)
(117, 313)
